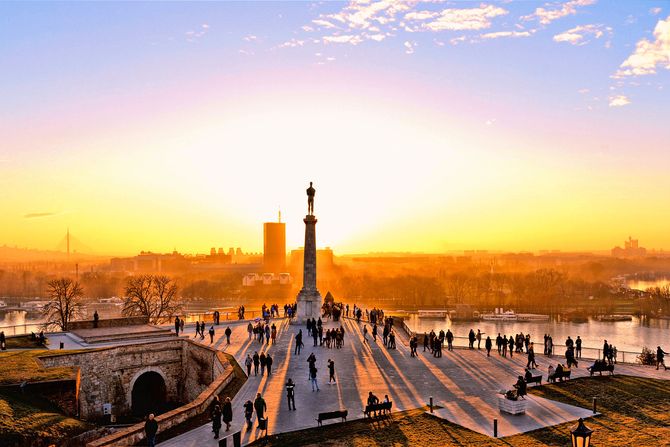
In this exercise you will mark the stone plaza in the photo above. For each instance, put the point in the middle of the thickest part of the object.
(465, 383)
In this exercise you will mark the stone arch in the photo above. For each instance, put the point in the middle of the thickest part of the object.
(147, 391)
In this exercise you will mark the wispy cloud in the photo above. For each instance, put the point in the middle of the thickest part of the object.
(648, 55)
(409, 47)
(655, 11)
(554, 12)
(499, 34)
(194, 35)
(37, 215)
(346, 38)
(377, 20)
(579, 35)
(456, 19)
(618, 101)
(292, 43)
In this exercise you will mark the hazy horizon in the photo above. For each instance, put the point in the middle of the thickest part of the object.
(425, 126)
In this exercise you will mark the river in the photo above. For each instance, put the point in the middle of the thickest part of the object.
(625, 335)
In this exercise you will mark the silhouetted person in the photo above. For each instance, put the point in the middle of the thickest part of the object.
(177, 325)
(3, 341)
(150, 429)
(211, 335)
(290, 394)
(260, 407)
(248, 413)
(268, 364)
(228, 332)
(660, 356)
(578, 347)
(248, 362)
(488, 344)
(331, 371)
(96, 318)
(227, 412)
(298, 342)
(310, 199)
(257, 362)
(216, 421)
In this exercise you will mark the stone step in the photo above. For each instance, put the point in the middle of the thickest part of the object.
(110, 338)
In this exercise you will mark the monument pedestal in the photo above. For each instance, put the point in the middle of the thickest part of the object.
(309, 299)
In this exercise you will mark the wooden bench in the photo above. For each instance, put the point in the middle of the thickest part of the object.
(560, 376)
(381, 409)
(599, 368)
(534, 379)
(340, 414)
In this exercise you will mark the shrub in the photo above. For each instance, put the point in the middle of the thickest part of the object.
(647, 357)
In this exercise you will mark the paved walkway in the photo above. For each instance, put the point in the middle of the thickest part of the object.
(464, 382)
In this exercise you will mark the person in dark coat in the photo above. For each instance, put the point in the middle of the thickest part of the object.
(268, 364)
(177, 325)
(298, 342)
(520, 386)
(248, 413)
(260, 406)
(150, 429)
(488, 344)
(290, 394)
(228, 332)
(263, 364)
(216, 421)
(257, 361)
(227, 412)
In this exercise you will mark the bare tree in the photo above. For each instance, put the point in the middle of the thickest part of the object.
(65, 303)
(153, 296)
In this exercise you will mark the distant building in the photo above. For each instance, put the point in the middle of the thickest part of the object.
(266, 279)
(631, 249)
(274, 247)
(148, 262)
(324, 258)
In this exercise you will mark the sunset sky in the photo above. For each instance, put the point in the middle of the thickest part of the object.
(425, 126)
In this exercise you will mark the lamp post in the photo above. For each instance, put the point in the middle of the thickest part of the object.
(581, 435)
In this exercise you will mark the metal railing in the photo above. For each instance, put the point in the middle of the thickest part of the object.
(558, 350)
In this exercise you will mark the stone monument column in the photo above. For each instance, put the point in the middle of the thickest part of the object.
(309, 299)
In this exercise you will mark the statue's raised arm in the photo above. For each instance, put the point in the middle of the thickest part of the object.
(310, 199)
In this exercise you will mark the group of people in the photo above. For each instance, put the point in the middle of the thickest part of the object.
(332, 338)
(262, 331)
(262, 360)
(388, 335)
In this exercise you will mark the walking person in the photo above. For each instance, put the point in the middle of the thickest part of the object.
(216, 421)
(531, 357)
(479, 339)
(268, 364)
(257, 362)
(488, 344)
(260, 406)
(365, 333)
(176, 325)
(248, 413)
(227, 413)
(248, 362)
(313, 378)
(228, 332)
(211, 335)
(298, 343)
(331, 371)
(197, 329)
(660, 356)
(290, 394)
(262, 362)
(250, 329)
(150, 430)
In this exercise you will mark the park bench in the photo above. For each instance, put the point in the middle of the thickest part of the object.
(560, 376)
(599, 368)
(534, 379)
(378, 409)
(340, 414)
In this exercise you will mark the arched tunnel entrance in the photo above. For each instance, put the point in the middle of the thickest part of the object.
(149, 394)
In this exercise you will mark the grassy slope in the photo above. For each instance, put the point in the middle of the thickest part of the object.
(29, 420)
(19, 366)
(635, 410)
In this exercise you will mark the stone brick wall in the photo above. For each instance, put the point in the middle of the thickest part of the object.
(109, 322)
(133, 435)
(107, 375)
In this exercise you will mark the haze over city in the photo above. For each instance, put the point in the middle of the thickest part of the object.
(426, 126)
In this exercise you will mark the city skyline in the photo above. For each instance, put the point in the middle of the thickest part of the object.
(426, 127)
